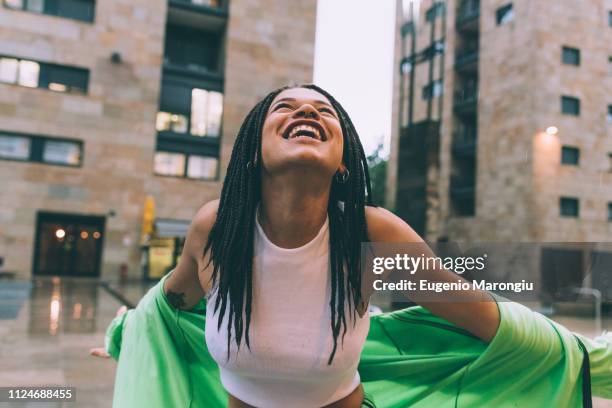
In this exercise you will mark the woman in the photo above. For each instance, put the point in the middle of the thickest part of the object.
(288, 328)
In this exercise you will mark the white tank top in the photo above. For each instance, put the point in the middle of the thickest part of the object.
(290, 333)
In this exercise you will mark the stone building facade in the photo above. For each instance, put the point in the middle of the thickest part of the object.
(104, 106)
(511, 100)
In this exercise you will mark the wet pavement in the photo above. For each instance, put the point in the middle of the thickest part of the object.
(47, 327)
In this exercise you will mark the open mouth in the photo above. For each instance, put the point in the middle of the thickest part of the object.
(312, 130)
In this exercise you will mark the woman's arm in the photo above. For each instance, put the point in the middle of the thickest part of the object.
(190, 280)
(473, 310)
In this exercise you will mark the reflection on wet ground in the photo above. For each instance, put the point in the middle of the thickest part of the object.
(46, 329)
(48, 325)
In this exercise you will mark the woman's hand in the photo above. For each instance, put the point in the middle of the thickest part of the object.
(101, 351)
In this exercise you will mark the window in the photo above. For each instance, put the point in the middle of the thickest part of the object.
(610, 18)
(192, 49)
(570, 56)
(610, 162)
(206, 112)
(57, 152)
(41, 149)
(82, 10)
(202, 167)
(569, 207)
(14, 147)
(170, 164)
(209, 3)
(609, 113)
(504, 14)
(609, 211)
(183, 165)
(190, 110)
(171, 122)
(570, 155)
(570, 105)
(433, 90)
(436, 10)
(34, 74)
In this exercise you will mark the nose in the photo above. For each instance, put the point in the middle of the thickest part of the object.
(305, 111)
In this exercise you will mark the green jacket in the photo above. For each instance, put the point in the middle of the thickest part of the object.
(410, 358)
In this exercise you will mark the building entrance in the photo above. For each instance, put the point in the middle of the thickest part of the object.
(68, 244)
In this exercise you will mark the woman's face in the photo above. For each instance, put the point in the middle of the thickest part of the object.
(302, 129)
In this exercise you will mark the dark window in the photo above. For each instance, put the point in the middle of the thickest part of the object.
(570, 155)
(570, 105)
(610, 162)
(610, 18)
(504, 14)
(64, 79)
(35, 74)
(75, 9)
(570, 56)
(436, 10)
(433, 90)
(43, 149)
(609, 211)
(192, 49)
(609, 113)
(569, 207)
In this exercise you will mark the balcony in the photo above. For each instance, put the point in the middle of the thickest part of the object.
(468, 15)
(466, 100)
(464, 143)
(203, 14)
(467, 60)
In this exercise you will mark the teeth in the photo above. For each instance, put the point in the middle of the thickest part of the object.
(308, 128)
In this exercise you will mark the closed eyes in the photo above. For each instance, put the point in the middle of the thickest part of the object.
(288, 106)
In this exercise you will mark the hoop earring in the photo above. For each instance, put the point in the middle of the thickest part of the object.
(343, 177)
(251, 165)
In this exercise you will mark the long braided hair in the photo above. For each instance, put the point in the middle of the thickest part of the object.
(230, 240)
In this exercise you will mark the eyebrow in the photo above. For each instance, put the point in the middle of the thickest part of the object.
(293, 100)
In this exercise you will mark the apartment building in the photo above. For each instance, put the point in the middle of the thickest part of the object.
(115, 114)
(503, 126)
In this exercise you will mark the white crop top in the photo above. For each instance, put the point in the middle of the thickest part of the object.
(290, 333)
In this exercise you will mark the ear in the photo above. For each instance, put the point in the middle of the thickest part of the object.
(342, 168)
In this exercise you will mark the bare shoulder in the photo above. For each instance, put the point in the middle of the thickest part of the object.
(205, 217)
(384, 226)
(190, 281)
(200, 228)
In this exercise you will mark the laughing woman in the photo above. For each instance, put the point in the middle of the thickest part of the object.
(267, 306)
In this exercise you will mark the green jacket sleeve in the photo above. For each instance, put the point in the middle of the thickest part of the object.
(410, 358)
(600, 359)
(114, 334)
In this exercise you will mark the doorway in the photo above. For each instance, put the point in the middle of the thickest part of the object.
(68, 244)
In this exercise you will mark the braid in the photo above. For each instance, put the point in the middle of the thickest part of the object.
(230, 241)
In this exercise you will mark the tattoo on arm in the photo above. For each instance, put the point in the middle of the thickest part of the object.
(175, 299)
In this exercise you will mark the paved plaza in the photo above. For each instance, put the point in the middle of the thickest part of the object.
(48, 325)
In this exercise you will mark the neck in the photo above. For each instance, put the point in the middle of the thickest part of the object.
(293, 208)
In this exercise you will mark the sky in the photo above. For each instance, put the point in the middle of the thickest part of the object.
(354, 62)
